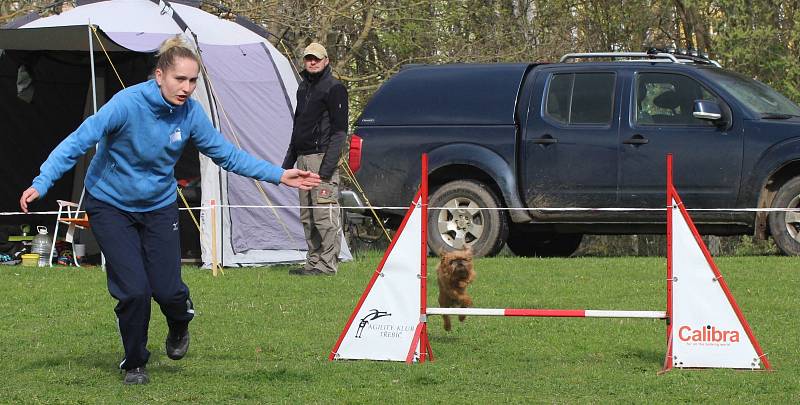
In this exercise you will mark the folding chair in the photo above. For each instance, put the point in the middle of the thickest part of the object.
(68, 214)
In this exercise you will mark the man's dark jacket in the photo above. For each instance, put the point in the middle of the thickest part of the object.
(320, 121)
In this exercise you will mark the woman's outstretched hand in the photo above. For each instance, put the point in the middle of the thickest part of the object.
(301, 179)
(29, 195)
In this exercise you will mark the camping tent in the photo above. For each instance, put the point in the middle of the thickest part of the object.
(55, 70)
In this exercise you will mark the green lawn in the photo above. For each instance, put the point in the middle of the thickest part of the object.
(261, 335)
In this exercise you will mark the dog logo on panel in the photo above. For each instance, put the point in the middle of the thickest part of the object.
(371, 316)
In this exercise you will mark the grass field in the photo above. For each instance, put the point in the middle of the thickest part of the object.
(262, 336)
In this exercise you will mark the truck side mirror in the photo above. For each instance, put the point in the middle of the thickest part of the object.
(707, 110)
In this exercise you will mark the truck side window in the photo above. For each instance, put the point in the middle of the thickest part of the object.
(663, 98)
(581, 98)
(558, 97)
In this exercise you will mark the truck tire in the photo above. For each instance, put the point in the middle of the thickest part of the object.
(460, 223)
(785, 226)
(529, 244)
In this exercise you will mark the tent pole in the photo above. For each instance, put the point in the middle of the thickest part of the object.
(91, 64)
(94, 111)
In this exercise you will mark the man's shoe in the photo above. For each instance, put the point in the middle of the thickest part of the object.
(297, 271)
(177, 344)
(136, 376)
(309, 272)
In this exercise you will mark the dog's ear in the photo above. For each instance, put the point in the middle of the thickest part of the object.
(468, 250)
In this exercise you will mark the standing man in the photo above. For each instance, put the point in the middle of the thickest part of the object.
(319, 134)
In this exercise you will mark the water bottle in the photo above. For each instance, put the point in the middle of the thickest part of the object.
(41, 244)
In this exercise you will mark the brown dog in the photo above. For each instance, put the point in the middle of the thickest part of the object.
(454, 275)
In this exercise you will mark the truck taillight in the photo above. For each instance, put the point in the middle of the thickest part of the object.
(354, 158)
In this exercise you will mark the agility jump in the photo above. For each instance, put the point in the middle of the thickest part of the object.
(705, 326)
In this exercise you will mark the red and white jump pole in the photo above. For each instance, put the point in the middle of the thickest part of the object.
(705, 327)
(548, 313)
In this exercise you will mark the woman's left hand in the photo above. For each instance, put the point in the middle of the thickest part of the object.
(301, 179)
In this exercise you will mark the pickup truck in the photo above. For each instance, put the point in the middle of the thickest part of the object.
(520, 154)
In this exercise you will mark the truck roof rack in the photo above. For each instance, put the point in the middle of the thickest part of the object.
(653, 55)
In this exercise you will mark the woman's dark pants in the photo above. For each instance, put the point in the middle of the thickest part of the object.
(142, 252)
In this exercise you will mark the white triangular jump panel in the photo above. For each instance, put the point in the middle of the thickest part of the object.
(707, 328)
(383, 324)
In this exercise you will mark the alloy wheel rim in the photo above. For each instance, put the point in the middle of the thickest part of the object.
(460, 222)
(792, 219)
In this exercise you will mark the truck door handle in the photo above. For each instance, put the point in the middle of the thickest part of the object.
(636, 140)
(546, 140)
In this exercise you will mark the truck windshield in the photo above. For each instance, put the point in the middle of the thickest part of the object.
(756, 96)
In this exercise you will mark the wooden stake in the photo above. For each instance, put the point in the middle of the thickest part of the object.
(214, 263)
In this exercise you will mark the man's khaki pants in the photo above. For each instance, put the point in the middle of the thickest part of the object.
(321, 224)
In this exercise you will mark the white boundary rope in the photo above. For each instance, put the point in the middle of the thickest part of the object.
(559, 209)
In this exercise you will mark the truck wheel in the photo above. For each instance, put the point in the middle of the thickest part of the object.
(529, 244)
(461, 223)
(785, 226)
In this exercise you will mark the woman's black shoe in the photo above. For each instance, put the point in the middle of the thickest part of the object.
(136, 376)
(177, 344)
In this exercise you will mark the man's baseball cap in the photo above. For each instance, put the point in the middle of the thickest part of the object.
(315, 49)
